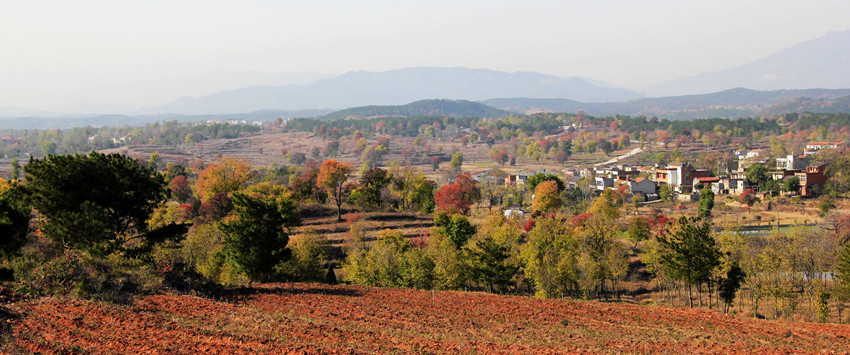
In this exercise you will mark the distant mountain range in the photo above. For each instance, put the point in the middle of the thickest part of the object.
(397, 87)
(725, 104)
(823, 62)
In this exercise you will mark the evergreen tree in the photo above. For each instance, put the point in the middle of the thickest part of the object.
(706, 203)
(96, 202)
(256, 241)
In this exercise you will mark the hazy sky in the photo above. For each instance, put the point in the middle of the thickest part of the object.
(53, 52)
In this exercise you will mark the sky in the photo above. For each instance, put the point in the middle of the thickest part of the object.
(78, 55)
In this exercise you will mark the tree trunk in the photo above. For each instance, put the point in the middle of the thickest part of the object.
(339, 212)
(699, 292)
(690, 296)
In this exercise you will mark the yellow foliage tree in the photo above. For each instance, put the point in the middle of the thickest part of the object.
(226, 175)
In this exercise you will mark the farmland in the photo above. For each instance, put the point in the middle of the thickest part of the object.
(316, 318)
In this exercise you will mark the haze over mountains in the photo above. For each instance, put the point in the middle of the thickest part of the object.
(398, 87)
(823, 62)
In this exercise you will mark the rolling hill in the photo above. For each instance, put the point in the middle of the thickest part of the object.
(725, 104)
(451, 108)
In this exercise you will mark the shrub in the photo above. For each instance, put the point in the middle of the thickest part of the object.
(45, 268)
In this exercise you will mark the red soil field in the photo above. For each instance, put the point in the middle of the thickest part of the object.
(313, 318)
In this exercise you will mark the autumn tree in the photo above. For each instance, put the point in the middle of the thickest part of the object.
(435, 163)
(332, 177)
(639, 230)
(458, 196)
(456, 162)
(549, 258)
(501, 158)
(180, 189)
(226, 175)
(748, 197)
(306, 186)
(492, 188)
(547, 198)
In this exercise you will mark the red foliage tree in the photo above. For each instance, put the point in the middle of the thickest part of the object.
(529, 224)
(579, 220)
(180, 189)
(450, 198)
(501, 158)
(216, 207)
(748, 197)
(658, 223)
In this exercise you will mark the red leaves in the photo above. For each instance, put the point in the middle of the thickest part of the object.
(450, 198)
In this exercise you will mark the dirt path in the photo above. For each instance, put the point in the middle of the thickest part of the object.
(614, 160)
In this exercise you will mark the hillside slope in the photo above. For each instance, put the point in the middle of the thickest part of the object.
(738, 102)
(450, 108)
(279, 318)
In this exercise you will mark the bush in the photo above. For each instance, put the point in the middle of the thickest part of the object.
(46, 269)
(309, 252)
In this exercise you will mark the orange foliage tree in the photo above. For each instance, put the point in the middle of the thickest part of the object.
(547, 197)
(226, 175)
(332, 177)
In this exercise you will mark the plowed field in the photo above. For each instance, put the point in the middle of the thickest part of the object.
(308, 318)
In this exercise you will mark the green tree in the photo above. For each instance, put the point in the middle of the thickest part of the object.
(14, 218)
(600, 257)
(456, 162)
(371, 186)
(381, 264)
(549, 258)
(706, 203)
(665, 192)
(255, 241)
(756, 174)
(16, 169)
(791, 184)
(309, 251)
(690, 253)
(456, 227)
(639, 230)
(490, 264)
(96, 202)
(154, 160)
(535, 179)
(729, 285)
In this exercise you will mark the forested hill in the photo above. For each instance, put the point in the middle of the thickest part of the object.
(725, 104)
(450, 108)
